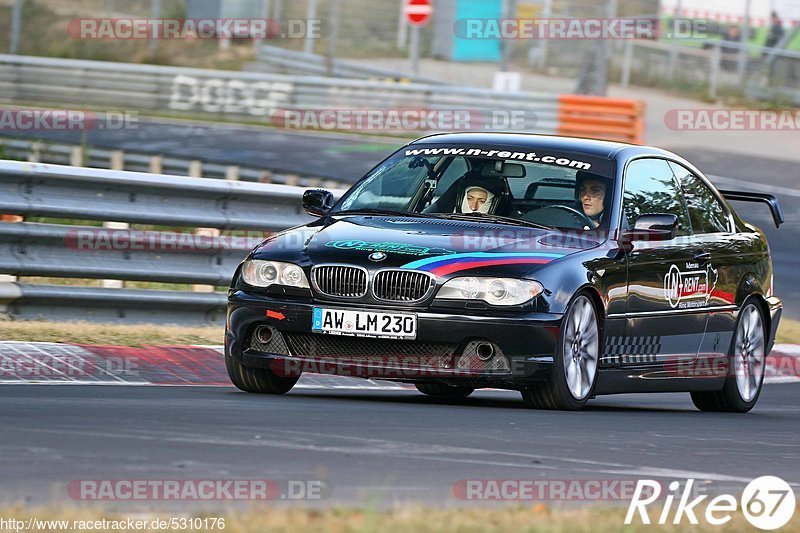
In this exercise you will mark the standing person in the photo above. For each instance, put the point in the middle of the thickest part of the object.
(776, 31)
(730, 48)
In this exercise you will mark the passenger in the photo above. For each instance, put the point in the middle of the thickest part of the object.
(477, 200)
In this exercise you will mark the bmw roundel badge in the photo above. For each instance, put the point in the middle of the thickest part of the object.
(377, 256)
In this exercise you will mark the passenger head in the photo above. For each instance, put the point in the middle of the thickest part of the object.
(476, 200)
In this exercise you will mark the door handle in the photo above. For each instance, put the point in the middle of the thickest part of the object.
(702, 257)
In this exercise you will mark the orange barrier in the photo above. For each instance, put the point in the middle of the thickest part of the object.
(598, 117)
(10, 218)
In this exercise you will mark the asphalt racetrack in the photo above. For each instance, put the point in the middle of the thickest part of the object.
(379, 447)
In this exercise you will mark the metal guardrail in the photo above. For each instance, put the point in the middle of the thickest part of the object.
(194, 92)
(269, 97)
(38, 151)
(60, 251)
(92, 304)
(31, 189)
(55, 250)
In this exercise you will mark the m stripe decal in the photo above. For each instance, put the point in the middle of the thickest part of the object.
(447, 264)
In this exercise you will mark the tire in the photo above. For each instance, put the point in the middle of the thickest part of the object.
(747, 358)
(574, 375)
(440, 390)
(257, 380)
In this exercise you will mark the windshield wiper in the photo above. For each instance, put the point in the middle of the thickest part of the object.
(493, 218)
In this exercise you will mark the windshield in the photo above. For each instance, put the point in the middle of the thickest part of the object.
(570, 191)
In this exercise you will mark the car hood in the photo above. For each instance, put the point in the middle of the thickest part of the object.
(439, 246)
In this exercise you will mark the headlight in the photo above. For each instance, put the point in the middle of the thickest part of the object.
(265, 273)
(494, 291)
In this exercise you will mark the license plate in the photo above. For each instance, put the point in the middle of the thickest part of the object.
(364, 323)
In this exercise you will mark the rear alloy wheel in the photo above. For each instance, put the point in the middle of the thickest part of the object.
(575, 366)
(747, 358)
(440, 390)
(258, 380)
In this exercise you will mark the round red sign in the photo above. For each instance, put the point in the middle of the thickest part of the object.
(418, 12)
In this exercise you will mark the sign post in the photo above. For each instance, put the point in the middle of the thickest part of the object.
(418, 13)
(16, 27)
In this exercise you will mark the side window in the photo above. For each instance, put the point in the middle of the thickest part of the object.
(705, 211)
(650, 188)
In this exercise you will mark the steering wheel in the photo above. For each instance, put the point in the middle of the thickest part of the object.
(580, 217)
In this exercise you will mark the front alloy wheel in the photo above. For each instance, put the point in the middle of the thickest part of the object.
(575, 367)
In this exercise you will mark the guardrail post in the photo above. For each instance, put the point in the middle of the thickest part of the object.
(76, 156)
(196, 169)
(9, 218)
(156, 165)
(114, 283)
(117, 160)
(232, 173)
(35, 155)
(205, 232)
(9, 292)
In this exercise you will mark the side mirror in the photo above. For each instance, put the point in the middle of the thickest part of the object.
(651, 228)
(317, 202)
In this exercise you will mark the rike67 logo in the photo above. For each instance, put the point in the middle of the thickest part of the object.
(767, 502)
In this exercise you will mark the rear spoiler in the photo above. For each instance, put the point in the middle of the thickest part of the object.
(769, 199)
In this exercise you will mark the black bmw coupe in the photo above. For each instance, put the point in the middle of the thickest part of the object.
(563, 268)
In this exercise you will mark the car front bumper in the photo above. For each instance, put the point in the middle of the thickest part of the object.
(444, 350)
